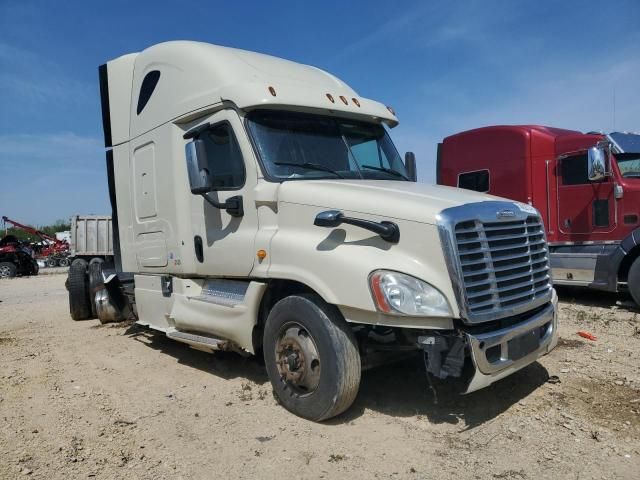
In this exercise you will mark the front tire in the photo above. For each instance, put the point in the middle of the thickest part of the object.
(312, 357)
(633, 281)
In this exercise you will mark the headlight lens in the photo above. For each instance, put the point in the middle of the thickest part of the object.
(397, 293)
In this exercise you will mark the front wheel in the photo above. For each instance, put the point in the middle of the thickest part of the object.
(633, 280)
(312, 357)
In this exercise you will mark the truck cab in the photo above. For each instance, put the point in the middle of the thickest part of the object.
(587, 187)
(260, 206)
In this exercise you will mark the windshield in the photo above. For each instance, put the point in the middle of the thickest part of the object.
(629, 164)
(303, 146)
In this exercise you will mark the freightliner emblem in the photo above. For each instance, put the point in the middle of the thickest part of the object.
(505, 214)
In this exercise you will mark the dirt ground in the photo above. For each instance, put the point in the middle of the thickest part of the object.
(81, 400)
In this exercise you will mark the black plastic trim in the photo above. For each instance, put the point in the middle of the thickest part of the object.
(117, 258)
(104, 102)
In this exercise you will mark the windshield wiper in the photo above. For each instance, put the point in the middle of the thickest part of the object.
(386, 170)
(309, 166)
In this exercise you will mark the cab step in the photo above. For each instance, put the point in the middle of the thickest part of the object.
(200, 342)
(228, 293)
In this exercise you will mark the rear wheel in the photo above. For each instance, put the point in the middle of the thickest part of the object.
(63, 262)
(95, 282)
(78, 286)
(633, 280)
(8, 270)
(51, 262)
(311, 357)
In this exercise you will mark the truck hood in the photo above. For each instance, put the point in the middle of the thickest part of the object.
(418, 202)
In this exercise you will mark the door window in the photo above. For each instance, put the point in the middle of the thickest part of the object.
(224, 159)
(574, 170)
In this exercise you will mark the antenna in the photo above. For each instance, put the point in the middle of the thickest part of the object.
(614, 109)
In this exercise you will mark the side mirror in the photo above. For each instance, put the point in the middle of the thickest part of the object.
(330, 218)
(410, 165)
(197, 167)
(200, 177)
(596, 165)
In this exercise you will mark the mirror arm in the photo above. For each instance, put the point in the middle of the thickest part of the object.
(233, 205)
(388, 231)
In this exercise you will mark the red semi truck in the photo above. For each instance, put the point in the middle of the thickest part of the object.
(586, 186)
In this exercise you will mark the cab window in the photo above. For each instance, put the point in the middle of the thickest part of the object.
(477, 181)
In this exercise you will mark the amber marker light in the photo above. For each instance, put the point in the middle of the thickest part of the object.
(376, 289)
(261, 254)
(330, 97)
(272, 91)
(344, 100)
(355, 100)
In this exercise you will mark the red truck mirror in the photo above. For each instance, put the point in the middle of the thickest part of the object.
(596, 164)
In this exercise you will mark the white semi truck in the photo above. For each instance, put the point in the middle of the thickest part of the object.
(260, 206)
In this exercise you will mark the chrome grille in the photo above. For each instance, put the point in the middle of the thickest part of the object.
(503, 265)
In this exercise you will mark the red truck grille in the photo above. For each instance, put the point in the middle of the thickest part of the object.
(504, 265)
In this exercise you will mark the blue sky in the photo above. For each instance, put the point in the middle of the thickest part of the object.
(444, 66)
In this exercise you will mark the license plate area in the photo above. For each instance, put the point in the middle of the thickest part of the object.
(523, 345)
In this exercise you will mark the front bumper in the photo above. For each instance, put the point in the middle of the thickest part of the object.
(500, 353)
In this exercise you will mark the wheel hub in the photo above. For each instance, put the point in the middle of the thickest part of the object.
(5, 271)
(298, 360)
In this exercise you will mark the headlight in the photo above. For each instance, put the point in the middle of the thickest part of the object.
(397, 293)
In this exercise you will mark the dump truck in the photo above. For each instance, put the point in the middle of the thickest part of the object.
(91, 238)
(586, 185)
(260, 207)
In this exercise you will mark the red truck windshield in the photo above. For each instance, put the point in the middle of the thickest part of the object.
(629, 164)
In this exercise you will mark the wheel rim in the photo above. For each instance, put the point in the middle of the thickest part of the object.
(297, 359)
(5, 271)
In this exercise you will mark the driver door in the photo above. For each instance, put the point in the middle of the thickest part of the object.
(224, 244)
(585, 209)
